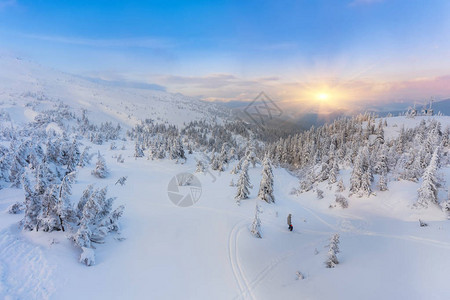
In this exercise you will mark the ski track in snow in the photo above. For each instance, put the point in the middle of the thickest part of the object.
(24, 271)
(242, 281)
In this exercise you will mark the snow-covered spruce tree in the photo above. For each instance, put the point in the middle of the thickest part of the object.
(56, 206)
(138, 152)
(222, 159)
(101, 170)
(64, 207)
(332, 176)
(74, 156)
(176, 150)
(446, 204)
(332, 260)
(32, 206)
(266, 187)
(427, 193)
(238, 166)
(243, 183)
(5, 164)
(96, 222)
(382, 183)
(85, 157)
(361, 178)
(340, 186)
(256, 225)
(200, 167)
(341, 200)
(215, 163)
(319, 193)
(250, 155)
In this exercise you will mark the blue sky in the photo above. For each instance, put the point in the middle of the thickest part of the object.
(355, 50)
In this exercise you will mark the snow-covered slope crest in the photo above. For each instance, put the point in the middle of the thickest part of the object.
(22, 82)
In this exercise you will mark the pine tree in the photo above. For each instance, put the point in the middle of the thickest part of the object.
(332, 176)
(32, 206)
(74, 156)
(319, 194)
(266, 187)
(446, 204)
(200, 167)
(340, 186)
(382, 183)
(101, 170)
(332, 260)
(64, 207)
(361, 178)
(96, 222)
(427, 193)
(243, 184)
(85, 158)
(256, 225)
(138, 152)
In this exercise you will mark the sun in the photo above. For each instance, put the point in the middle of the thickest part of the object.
(322, 96)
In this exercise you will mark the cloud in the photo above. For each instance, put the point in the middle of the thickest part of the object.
(142, 42)
(212, 81)
(7, 3)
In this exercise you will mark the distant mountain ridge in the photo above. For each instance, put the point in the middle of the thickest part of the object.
(22, 81)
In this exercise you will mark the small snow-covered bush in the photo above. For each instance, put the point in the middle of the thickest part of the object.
(341, 200)
(101, 170)
(16, 208)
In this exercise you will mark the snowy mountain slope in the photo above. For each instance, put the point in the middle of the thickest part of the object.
(206, 251)
(22, 81)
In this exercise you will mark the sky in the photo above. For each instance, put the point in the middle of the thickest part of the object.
(327, 53)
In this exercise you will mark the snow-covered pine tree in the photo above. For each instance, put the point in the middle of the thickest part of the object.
(176, 150)
(64, 208)
(48, 219)
(32, 206)
(340, 186)
(85, 157)
(256, 225)
(319, 193)
(250, 155)
(332, 260)
(87, 193)
(332, 176)
(427, 193)
(382, 183)
(96, 222)
(200, 167)
(5, 164)
(243, 183)
(101, 170)
(238, 166)
(446, 204)
(74, 156)
(266, 186)
(138, 152)
(361, 178)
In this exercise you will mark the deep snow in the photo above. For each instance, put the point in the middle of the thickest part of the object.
(206, 251)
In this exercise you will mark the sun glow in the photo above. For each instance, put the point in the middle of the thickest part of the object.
(322, 96)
